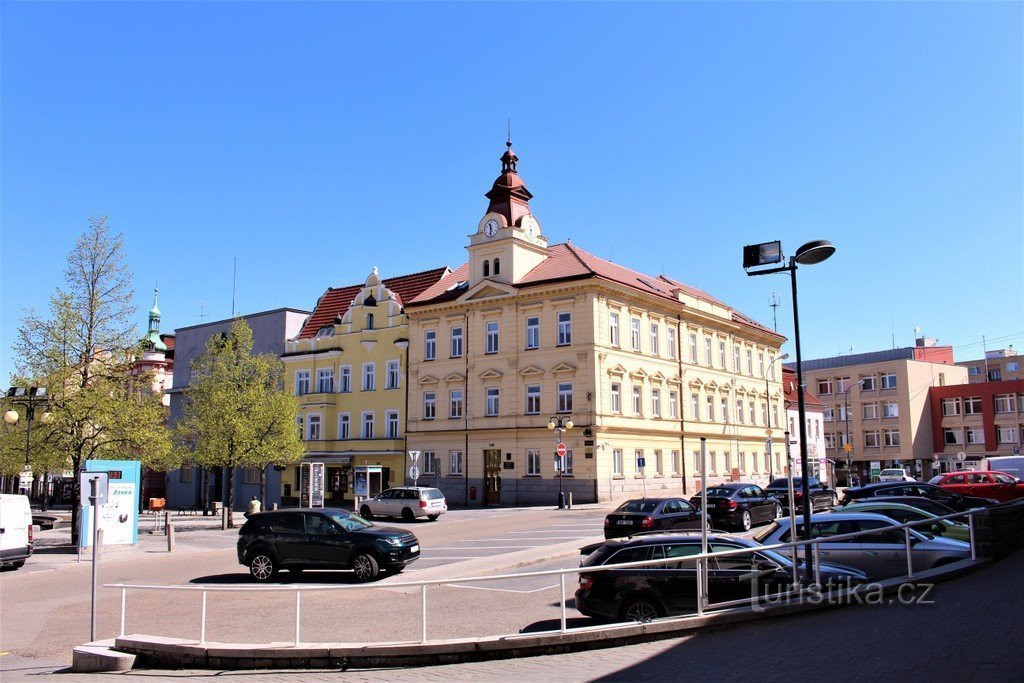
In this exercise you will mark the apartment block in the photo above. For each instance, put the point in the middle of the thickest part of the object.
(976, 421)
(996, 366)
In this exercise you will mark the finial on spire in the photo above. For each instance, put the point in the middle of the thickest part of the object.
(508, 141)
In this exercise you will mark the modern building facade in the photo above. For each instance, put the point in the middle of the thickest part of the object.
(878, 403)
(974, 421)
(348, 366)
(527, 333)
(270, 330)
(997, 366)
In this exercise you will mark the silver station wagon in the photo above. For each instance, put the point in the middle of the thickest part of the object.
(407, 502)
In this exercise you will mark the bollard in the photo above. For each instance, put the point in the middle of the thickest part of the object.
(224, 512)
(570, 500)
(273, 506)
(170, 536)
(167, 522)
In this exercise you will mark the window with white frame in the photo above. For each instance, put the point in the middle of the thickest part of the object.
(369, 376)
(1006, 435)
(430, 345)
(454, 462)
(830, 440)
(616, 394)
(743, 462)
(654, 339)
(870, 411)
(638, 408)
(972, 405)
(345, 379)
(974, 370)
(670, 333)
(735, 358)
(889, 380)
(760, 364)
(251, 475)
(951, 406)
(455, 403)
(533, 399)
(533, 332)
(771, 367)
(708, 359)
(344, 427)
(693, 349)
(696, 462)
(842, 413)
(634, 328)
(565, 397)
(952, 437)
(564, 329)
(429, 462)
(694, 407)
(890, 409)
(491, 407)
(325, 381)
(829, 415)
(725, 409)
(677, 463)
(368, 418)
(728, 462)
(750, 362)
(393, 379)
(721, 354)
(739, 411)
(1005, 403)
(456, 342)
(764, 414)
(824, 387)
(975, 435)
(533, 462)
(492, 337)
(750, 412)
(313, 428)
(891, 437)
(429, 405)
(868, 383)
(617, 462)
(302, 382)
(659, 466)
(613, 329)
(1013, 367)
(656, 402)
(842, 385)
(871, 439)
(567, 463)
(673, 404)
(391, 428)
(710, 406)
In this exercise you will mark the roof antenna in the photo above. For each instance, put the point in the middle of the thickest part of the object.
(508, 140)
(773, 301)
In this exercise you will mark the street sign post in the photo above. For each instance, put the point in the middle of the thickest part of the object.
(414, 474)
(560, 450)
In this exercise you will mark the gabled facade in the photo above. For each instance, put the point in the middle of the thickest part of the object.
(526, 332)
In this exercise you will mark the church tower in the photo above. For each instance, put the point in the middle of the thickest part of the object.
(508, 242)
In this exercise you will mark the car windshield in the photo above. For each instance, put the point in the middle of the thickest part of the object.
(886, 473)
(637, 506)
(936, 479)
(350, 522)
(1004, 479)
(720, 491)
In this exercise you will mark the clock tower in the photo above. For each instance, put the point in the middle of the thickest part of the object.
(508, 242)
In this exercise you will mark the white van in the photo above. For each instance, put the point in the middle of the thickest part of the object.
(15, 530)
(1011, 464)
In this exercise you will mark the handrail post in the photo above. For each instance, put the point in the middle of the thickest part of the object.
(793, 558)
(910, 558)
(202, 628)
(701, 563)
(298, 613)
(124, 597)
(561, 581)
(970, 521)
(817, 563)
(423, 603)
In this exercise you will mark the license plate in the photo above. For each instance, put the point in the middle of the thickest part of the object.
(414, 549)
(624, 522)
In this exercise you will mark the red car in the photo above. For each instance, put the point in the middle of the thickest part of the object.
(995, 485)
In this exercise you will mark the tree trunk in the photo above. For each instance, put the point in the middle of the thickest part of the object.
(46, 490)
(263, 487)
(230, 503)
(76, 495)
(206, 491)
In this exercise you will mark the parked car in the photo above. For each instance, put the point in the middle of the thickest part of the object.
(739, 505)
(407, 502)
(904, 513)
(926, 504)
(894, 474)
(651, 514)
(822, 497)
(645, 593)
(322, 538)
(988, 484)
(880, 555)
(918, 489)
(15, 530)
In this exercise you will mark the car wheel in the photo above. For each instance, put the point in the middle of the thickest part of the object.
(262, 566)
(433, 518)
(407, 515)
(640, 610)
(778, 512)
(18, 564)
(365, 513)
(365, 566)
(745, 520)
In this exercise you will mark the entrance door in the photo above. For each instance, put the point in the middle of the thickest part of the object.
(492, 476)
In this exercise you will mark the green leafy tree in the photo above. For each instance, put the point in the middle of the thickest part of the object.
(83, 352)
(236, 413)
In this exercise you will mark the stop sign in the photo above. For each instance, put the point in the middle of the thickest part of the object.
(560, 450)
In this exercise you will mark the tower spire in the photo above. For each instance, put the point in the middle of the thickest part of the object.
(508, 195)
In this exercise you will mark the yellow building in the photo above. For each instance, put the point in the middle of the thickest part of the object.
(525, 333)
(348, 367)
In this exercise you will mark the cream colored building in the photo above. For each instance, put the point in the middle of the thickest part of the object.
(879, 404)
(527, 332)
(999, 365)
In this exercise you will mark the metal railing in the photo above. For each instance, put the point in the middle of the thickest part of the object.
(701, 560)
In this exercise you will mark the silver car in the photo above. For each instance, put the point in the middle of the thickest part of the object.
(407, 502)
(880, 555)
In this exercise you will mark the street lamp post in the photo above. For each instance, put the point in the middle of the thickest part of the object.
(848, 447)
(768, 415)
(560, 423)
(30, 397)
(807, 255)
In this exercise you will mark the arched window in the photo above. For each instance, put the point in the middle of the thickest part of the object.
(487, 268)
(497, 266)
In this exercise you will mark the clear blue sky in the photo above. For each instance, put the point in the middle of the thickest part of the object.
(314, 141)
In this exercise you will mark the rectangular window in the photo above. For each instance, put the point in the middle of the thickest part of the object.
(750, 412)
(842, 385)
(889, 380)
(870, 439)
(673, 404)
(369, 376)
(455, 462)
(830, 440)
(829, 415)
(429, 405)
(710, 405)
(393, 378)
(750, 362)
(430, 345)
(890, 409)
(634, 325)
(712, 465)
(613, 329)
(491, 408)
(868, 383)
(564, 329)
(739, 411)
(671, 341)
(325, 381)
(302, 382)
(456, 342)
(429, 462)
(659, 466)
(617, 462)
(870, 411)
(251, 475)
(1006, 435)
(728, 462)
(455, 403)
(736, 359)
(725, 409)
(694, 407)
(975, 436)
(344, 432)
(743, 462)
(708, 359)
(345, 380)
(771, 367)
(533, 462)
(824, 387)
(367, 425)
(1013, 367)
(891, 437)
(972, 405)
(760, 364)
(696, 462)
(567, 463)
(721, 354)
(533, 332)
(952, 437)
(1004, 403)
(533, 399)
(974, 370)
(392, 425)
(565, 397)
(616, 397)
(950, 406)
(638, 407)
(654, 339)
(313, 428)
(995, 375)
(677, 463)
(492, 337)
(693, 348)
(656, 402)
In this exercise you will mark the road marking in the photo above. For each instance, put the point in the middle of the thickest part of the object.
(501, 590)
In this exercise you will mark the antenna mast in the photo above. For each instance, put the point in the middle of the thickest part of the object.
(773, 301)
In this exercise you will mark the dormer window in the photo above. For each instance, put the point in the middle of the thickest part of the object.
(326, 331)
(497, 266)
(487, 268)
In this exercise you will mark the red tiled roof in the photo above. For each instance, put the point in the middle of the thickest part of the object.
(335, 302)
(789, 387)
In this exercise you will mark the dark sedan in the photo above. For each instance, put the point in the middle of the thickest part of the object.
(652, 514)
(919, 489)
(739, 506)
(822, 497)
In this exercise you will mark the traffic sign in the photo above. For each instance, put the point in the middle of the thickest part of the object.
(414, 472)
(848, 447)
(560, 450)
(641, 463)
(414, 455)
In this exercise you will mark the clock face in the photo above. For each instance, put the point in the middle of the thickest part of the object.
(530, 227)
(491, 228)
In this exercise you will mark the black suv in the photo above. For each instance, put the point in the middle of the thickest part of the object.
(822, 497)
(950, 499)
(324, 538)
